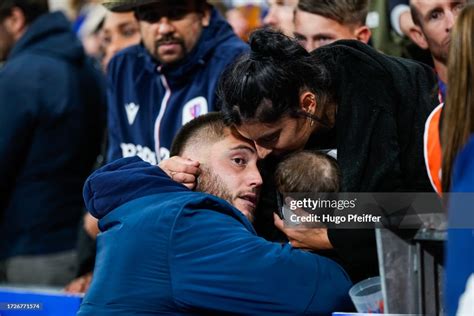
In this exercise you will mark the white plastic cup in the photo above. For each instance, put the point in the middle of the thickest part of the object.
(367, 296)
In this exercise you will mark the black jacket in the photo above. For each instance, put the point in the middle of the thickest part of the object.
(382, 105)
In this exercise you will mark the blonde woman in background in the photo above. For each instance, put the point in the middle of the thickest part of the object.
(458, 167)
(458, 120)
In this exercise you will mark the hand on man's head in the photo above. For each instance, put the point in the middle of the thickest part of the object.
(182, 170)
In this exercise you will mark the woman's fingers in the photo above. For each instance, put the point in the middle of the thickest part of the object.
(182, 170)
(306, 238)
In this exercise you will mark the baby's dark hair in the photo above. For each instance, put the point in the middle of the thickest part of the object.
(308, 171)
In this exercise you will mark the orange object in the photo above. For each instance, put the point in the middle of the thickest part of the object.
(245, 19)
(432, 148)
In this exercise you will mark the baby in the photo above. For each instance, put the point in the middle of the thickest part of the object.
(306, 172)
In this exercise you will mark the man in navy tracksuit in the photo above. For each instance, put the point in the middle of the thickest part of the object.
(169, 79)
(165, 249)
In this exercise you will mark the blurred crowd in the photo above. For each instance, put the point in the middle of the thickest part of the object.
(87, 83)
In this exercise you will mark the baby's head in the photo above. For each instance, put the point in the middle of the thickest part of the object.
(308, 171)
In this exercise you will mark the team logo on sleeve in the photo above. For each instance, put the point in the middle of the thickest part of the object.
(132, 110)
(194, 108)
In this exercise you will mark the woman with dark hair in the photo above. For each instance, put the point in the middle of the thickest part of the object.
(344, 97)
(369, 107)
(277, 84)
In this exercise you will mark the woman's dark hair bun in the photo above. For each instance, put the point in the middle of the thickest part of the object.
(267, 43)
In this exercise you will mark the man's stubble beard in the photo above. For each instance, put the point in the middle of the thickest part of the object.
(210, 182)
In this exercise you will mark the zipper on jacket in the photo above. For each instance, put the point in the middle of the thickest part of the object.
(164, 104)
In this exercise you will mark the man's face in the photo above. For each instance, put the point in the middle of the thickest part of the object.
(436, 18)
(313, 30)
(231, 173)
(171, 31)
(6, 42)
(280, 15)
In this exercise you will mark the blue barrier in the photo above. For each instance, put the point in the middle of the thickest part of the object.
(37, 302)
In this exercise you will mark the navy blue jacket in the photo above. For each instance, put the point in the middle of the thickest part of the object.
(460, 245)
(148, 102)
(52, 112)
(167, 250)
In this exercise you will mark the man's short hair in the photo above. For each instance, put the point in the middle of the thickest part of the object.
(205, 129)
(32, 9)
(308, 171)
(345, 12)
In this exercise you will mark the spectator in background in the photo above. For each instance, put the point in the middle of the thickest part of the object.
(170, 79)
(51, 122)
(400, 17)
(60, 5)
(399, 32)
(120, 30)
(434, 20)
(79, 11)
(89, 31)
(319, 23)
(458, 167)
(238, 22)
(244, 19)
(280, 15)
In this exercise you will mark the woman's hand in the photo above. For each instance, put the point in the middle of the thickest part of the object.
(80, 284)
(91, 225)
(305, 238)
(182, 170)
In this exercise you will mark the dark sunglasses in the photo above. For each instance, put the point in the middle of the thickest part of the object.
(153, 13)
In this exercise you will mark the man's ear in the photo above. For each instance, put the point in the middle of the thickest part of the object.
(15, 23)
(206, 17)
(416, 35)
(363, 34)
(308, 102)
